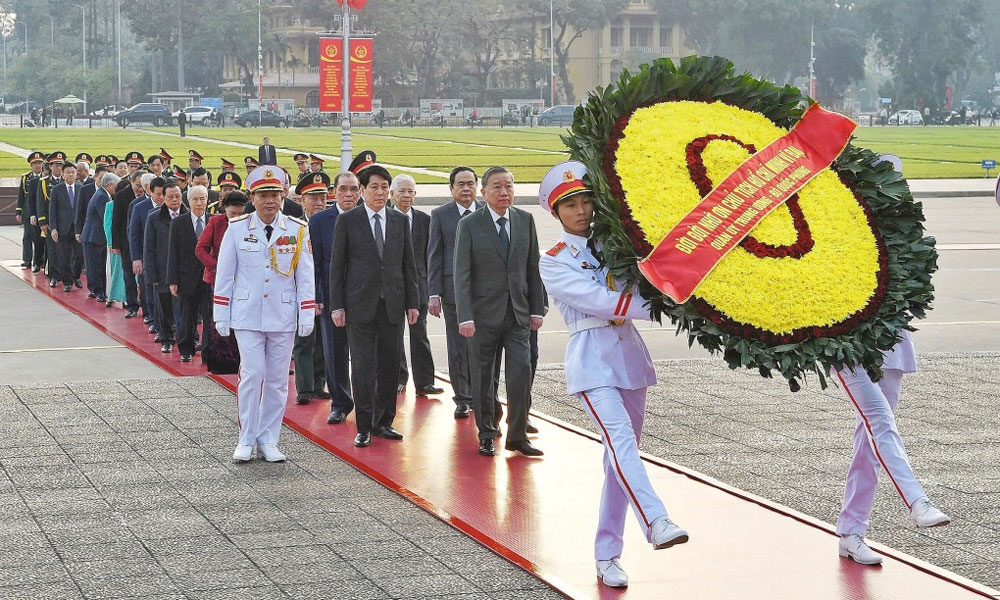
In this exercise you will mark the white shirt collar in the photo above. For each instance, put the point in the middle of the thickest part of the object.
(194, 219)
(462, 209)
(372, 213)
(495, 216)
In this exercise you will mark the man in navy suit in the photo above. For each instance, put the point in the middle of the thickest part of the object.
(139, 211)
(62, 228)
(335, 350)
(95, 245)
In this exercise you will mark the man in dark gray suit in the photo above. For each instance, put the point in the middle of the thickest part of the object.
(440, 282)
(373, 290)
(403, 191)
(499, 298)
(62, 228)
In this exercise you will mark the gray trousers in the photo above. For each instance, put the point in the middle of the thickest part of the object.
(483, 349)
(459, 369)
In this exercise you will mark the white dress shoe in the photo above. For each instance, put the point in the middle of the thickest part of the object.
(612, 573)
(271, 452)
(242, 453)
(923, 514)
(665, 533)
(853, 546)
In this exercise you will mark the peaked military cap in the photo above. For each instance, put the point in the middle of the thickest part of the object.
(266, 178)
(134, 158)
(36, 156)
(230, 178)
(362, 161)
(84, 157)
(194, 154)
(313, 183)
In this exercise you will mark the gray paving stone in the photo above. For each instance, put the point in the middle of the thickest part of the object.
(63, 589)
(216, 579)
(31, 574)
(262, 592)
(351, 589)
(126, 587)
(425, 585)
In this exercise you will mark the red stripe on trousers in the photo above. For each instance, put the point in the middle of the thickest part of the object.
(871, 436)
(614, 456)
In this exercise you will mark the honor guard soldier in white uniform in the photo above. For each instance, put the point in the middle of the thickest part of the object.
(878, 446)
(265, 292)
(607, 367)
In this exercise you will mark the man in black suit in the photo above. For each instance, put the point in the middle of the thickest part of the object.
(62, 228)
(403, 191)
(119, 237)
(155, 250)
(373, 290)
(92, 238)
(499, 298)
(266, 154)
(185, 272)
(440, 282)
(95, 275)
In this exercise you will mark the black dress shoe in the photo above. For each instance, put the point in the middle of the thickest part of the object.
(186, 358)
(109, 303)
(35, 269)
(131, 313)
(78, 284)
(524, 447)
(152, 329)
(362, 440)
(487, 448)
(25, 265)
(53, 283)
(101, 297)
(303, 398)
(158, 339)
(91, 295)
(462, 411)
(336, 417)
(388, 433)
(167, 348)
(530, 428)
(67, 288)
(321, 395)
(197, 347)
(429, 390)
(147, 320)
(400, 388)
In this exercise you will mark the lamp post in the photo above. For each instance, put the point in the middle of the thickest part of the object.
(83, 9)
(345, 100)
(118, 44)
(7, 21)
(260, 69)
(552, 53)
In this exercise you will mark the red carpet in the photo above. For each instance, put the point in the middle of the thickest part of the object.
(541, 513)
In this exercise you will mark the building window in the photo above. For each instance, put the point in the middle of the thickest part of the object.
(545, 38)
(640, 37)
(617, 33)
(314, 55)
(666, 35)
(312, 99)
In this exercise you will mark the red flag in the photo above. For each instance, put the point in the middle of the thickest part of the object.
(355, 4)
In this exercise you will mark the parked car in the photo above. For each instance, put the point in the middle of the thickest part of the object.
(257, 118)
(195, 115)
(561, 114)
(145, 112)
(906, 117)
(108, 111)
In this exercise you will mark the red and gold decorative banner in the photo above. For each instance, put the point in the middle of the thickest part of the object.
(361, 75)
(331, 66)
(729, 212)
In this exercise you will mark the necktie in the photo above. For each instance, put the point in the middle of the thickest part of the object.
(267, 231)
(379, 241)
(173, 215)
(592, 246)
(464, 214)
(198, 228)
(72, 196)
(504, 238)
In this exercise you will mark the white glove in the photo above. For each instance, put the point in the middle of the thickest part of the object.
(222, 327)
(305, 330)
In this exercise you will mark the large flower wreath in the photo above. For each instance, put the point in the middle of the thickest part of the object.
(828, 279)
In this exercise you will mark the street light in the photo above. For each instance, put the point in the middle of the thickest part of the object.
(552, 53)
(83, 9)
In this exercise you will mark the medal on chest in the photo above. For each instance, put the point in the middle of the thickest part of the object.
(285, 253)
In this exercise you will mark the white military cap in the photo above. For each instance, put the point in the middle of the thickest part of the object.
(267, 177)
(561, 182)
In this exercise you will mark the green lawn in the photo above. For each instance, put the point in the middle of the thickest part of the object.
(928, 152)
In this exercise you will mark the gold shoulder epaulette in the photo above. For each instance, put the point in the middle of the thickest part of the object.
(240, 218)
(556, 249)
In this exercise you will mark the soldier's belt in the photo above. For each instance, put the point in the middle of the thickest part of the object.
(588, 323)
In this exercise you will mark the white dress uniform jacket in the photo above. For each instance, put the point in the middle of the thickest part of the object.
(599, 353)
(254, 286)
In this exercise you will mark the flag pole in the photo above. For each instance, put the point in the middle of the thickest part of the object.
(345, 74)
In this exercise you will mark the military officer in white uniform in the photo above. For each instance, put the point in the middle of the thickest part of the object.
(878, 446)
(265, 292)
(607, 367)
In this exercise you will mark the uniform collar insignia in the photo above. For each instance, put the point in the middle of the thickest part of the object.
(573, 250)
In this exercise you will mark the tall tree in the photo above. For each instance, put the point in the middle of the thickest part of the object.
(923, 44)
(571, 20)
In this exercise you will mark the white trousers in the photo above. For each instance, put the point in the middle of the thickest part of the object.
(877, 446)
(618, 415)
(263, 388)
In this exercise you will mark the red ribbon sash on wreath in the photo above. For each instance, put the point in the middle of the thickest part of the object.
(355, 4)
(729, 212)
